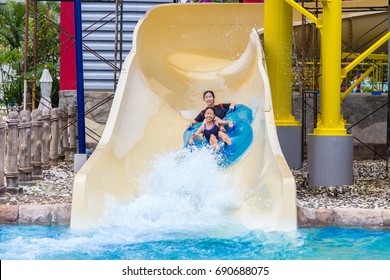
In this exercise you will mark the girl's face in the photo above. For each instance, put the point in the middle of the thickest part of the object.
(209, 115)
(209, 99)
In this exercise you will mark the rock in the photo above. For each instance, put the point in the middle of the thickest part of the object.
(44, 214)
(366, 218)
(311, 217)
(9, 214)
(386, 217)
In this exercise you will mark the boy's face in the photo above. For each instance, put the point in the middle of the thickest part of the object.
(209, 99)
(209, 115)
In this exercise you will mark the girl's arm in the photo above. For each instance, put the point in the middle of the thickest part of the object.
(197, 135)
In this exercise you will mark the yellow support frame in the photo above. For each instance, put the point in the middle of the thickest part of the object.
(277, 35)
(330, 121)
(358, 81)
(278, 30)
(365, 54)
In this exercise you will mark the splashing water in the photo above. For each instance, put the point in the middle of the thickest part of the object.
(184, 190)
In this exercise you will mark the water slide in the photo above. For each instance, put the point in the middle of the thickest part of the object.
(179, 51)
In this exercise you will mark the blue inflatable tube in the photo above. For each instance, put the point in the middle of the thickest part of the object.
(241, 135)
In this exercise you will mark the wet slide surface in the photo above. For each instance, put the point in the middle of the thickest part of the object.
(179, 51)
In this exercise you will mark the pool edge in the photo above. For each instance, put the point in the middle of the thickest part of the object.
(59, 214)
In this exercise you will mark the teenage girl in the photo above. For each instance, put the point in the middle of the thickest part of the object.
(220, 109)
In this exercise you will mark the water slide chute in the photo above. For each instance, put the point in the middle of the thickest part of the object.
(179, 51)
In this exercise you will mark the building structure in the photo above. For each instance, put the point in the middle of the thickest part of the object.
(107, 28)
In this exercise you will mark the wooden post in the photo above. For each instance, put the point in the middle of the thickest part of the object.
(72, 130)
(64, 133)
(36, 144)
(11, 166)
(2, 156)
(45, 138)
(25, 168)
(54, 138)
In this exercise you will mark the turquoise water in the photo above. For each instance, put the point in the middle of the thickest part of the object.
(59, 243)
(182, 215)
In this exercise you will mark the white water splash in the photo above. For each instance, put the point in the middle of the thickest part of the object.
(185, 190)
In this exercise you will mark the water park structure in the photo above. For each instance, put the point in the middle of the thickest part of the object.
(179, 51)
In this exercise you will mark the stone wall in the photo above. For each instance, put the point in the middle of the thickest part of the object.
(357, 109)
(91, 99)
(95, 120)
(59, 214)
(367, 127)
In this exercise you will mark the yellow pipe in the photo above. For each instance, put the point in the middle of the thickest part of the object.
(331, 121)
(278, 50)
(372, 56)
(358, 81)
(303, 11)
(366, 53)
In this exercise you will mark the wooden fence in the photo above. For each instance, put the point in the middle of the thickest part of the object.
(31, 142)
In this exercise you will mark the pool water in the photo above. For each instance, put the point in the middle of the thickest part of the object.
(180, 215)
(19, 242)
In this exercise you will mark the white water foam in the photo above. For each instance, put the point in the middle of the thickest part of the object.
(185, 190)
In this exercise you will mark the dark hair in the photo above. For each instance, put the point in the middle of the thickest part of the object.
(208, 91)
(209, 108)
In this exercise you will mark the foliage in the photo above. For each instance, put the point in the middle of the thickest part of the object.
(10, 60)
(12, 47)
(12, 21)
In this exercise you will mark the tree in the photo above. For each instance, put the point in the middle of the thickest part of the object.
(12, 22)
(12, 18)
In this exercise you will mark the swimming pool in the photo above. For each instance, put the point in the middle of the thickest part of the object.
(183, 216)
(35, 242)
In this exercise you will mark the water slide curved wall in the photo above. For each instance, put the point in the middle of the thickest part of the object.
(178, 52)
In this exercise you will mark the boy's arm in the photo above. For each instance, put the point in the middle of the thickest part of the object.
(192, 122)
(229, 106)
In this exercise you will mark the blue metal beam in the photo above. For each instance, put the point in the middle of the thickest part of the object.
(80, 77)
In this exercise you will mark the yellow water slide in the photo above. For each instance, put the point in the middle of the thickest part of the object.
(179, 51)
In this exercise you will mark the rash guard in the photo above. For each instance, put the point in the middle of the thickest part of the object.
(220, 112)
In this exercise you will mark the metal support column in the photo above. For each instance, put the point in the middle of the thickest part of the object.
(388, 95)
(81, 157)
(330, 148)
(278, 49)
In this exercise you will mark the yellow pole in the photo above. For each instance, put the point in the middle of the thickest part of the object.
(366, 54)
(278, 50)
(330, 120)
(357, 82)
